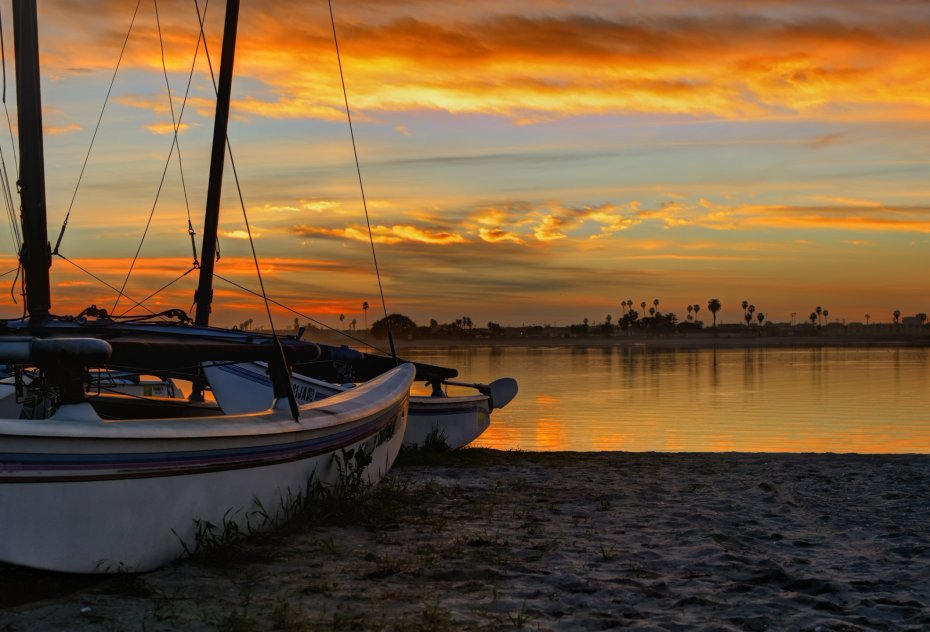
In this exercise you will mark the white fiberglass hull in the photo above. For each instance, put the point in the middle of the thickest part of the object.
(458, 421)
(79, 494)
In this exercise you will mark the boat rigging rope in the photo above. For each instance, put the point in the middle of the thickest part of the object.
(174, 144)
(366, 343)
(15, 234)
(361, 186)
(106, 100)
(7, 188)
(291, 397)
(176, 124)
(98, 279)
(9, 122)
(158, 291)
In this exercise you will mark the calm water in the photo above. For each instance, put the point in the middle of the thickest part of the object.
(774, 400)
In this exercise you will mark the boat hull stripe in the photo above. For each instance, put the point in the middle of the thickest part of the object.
(46, 468)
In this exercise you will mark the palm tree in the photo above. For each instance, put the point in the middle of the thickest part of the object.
(819, 311)
(655, 303)
(760, 318)
(813, 318)
(714, 306)
(629, 304)
(867, 317)
(748, 317)
(652, 311)
(690, 309)
(643, 305)
(697, 308)
(365, 308)
(744, 305)
(826, 313)
(897, 315)
(751, 310)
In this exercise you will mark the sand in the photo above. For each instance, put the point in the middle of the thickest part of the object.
(550, 541)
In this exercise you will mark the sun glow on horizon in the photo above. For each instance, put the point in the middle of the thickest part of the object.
(523, 162)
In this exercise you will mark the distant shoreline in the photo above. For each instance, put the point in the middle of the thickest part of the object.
(692, 341)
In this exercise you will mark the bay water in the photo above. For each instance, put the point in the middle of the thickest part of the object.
(822, 399)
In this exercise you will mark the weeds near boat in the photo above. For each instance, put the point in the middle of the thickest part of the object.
(347, 499)
(210, 538)
(520, 618)
(435, 617)
(285, 617)
(434, 451)
(608, 553)
(239, 621)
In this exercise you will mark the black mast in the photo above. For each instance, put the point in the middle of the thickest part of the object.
(204, 295)
(35, 255)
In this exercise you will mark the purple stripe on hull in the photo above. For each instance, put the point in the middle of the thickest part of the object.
(16, 468)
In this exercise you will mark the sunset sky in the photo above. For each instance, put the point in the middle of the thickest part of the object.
(524, 162)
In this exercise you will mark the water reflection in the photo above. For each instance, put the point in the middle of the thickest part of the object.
(797, 400)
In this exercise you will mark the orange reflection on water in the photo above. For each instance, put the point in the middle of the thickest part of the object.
(551, 434)
(868, 400)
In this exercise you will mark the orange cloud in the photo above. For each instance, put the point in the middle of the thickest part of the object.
(241, 233)
(166, 128)
(385, 234)
(712, 60)
(866, 218)
(57, 130)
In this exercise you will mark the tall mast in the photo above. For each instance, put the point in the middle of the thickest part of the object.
(35, 255)
(204, 295)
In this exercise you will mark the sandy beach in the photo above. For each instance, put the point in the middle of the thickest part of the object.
(485, 539)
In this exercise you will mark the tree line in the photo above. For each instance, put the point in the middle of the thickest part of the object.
(648, 318)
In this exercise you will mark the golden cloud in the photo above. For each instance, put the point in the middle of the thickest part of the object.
(385, 234)
(57, 130)
(847, 215)
(241, 233)
(166, 128)
(713, 60)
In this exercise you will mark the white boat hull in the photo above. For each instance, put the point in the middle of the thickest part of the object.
(86, 496)
(245, 387)
(457, 421)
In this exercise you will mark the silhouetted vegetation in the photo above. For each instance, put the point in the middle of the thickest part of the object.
(632, 323)
(399, 325)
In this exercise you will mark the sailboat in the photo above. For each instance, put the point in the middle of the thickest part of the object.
(86, 495)
(450, 420)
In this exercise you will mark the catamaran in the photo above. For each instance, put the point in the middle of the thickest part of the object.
(84, 494)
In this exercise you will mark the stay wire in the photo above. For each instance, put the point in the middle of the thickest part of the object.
(160, 290)
(176, 122)
(9, 122)
(366, 343)
(99, 280)
(15, 234)
(161, 184)
(93, 138)
(232, 164)
(291, 397)
(361, 186)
